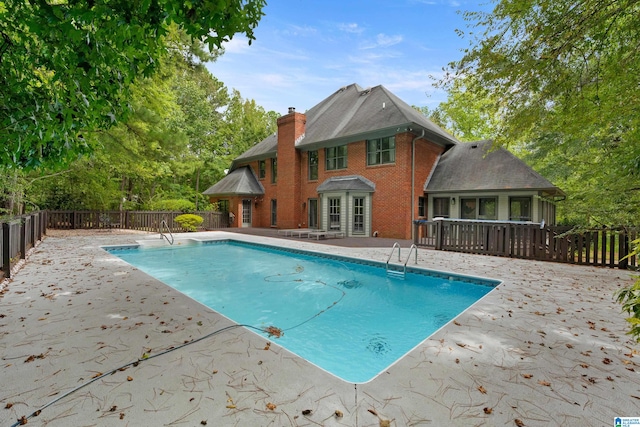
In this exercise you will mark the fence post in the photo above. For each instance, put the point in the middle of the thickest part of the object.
(23, 238)
(34, 219)
(439, 235)
(623, 250)
(6, 259)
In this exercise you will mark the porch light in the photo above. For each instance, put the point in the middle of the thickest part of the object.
(453, 200)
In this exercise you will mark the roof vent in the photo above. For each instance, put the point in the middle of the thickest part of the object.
(292, 110)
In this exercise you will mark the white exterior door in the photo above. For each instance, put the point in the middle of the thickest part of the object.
(246, 213)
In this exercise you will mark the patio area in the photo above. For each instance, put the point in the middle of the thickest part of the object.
(546, 347)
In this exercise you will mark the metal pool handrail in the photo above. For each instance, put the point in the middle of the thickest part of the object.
(164, 222)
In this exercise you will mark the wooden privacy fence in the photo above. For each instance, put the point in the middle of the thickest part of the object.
(605, 246)
(130, 220)
(18, 235)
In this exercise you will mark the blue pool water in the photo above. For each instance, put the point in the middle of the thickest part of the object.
(345, 316)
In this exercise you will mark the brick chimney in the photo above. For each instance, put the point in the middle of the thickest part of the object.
(290, 129)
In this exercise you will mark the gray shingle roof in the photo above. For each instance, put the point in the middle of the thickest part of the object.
(351, 114)
(241, 181)
(268, 147)
(473, 167)
(347, 183)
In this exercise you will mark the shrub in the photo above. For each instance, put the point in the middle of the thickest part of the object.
(174, 205)
(189, 222)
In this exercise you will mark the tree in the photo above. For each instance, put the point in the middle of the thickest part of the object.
(553, 72)
(66, 67)
(564, 78)
(466, 115)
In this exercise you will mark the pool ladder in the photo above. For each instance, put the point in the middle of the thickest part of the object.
(163, 235)
(398, 274)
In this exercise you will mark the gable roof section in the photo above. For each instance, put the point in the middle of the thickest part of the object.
(351, 114)
(473, 167)
(347, 183)
(241, 181)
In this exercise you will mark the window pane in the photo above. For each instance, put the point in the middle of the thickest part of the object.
(468, 208)
(520, 209)
(487, 209)
(358, 214)
(313, 165)
(334, 213)
(441, 207)
(380, 151)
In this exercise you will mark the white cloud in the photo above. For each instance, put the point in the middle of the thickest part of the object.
(300, 31)
(382, 40)
(351, 27)
(237, 45)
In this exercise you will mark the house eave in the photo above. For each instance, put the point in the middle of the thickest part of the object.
(409, 127)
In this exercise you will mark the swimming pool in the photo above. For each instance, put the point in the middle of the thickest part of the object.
(344, 315)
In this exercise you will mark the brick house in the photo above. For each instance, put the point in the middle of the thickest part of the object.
(365, 163)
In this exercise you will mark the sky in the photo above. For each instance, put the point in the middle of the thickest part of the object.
(305, 50)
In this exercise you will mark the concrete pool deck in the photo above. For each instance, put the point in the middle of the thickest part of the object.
(547, 347)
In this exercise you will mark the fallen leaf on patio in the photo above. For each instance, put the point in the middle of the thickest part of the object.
(30, 359)
(113, 408)
(267, 346)
(488, 410)
(373, 411)
(338, 413)
(203, 422)
(482, 390)
(306, 412)
(23, 420)
(231, 406)
(385, 423)
(527, 376)
(215, 371)
(271, 406)
(569, 345)
(519, 422)
(129, 379)
(544, 383)
(591, 325)
(455, 322)
(8, 405)
(96, 375)
(461, 344)
(584, 365)
(122, 415)
(607, 361)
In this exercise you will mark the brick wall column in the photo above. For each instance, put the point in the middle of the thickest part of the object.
(290, 129)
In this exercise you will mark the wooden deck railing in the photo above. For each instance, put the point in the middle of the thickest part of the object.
(18, 235)
(130, 220)
(605, 246)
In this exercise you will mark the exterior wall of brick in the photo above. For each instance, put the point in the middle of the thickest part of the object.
(290, 128)
(391, 203)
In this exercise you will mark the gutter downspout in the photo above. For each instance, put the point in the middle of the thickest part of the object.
(413, 181)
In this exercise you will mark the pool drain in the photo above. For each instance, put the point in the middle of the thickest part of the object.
(350, 284)
(378, 345)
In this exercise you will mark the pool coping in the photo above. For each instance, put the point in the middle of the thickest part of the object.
(547, 347)
(444, 275)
